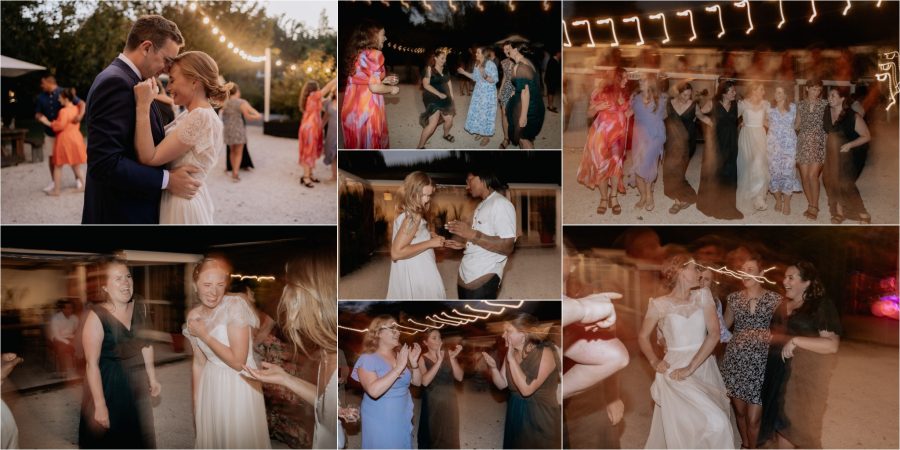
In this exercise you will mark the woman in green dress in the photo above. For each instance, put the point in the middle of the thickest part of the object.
(525, 110)
(439, 415)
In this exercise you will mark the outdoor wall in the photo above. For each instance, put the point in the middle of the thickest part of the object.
(32, 289)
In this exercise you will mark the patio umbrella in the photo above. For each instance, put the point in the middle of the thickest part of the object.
(11, 67)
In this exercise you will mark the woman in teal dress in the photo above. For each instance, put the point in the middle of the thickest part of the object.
(525, 111)
(439, 413)
(531, 372)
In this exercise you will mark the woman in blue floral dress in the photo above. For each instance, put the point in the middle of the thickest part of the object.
(483, 107)
(782, 143)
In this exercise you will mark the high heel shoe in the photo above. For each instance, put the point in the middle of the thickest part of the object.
(601, 209)
(617, 208)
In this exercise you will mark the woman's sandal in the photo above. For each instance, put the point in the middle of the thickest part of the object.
(867, 220)
(837, 219)
(306, 182)
(315, 180)
(617, 208)
(675, 208)
(449, 138)
(602, 208)
(811, 213)
(504, 144)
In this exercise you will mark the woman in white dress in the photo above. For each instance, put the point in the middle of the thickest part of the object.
(753, 160)
(308, 315)
(692, 410)
(193, 138)
(229, 409)
(414, 272)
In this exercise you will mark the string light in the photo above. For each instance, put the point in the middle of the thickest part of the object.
(638, 20)
(665, 29)
(451, 5)
(385, 3)
(567, 42)
(206, 21)
(613, 26)
(436, 319)
(354, 329)
(847, 8)
(485, 311)
(503, 305)
(588, 23)
(814, 13)
(423, 325)
(222, 38)
(479, 6)
(404, 4)
(193, 6)
(278, 63)
(740, 275)
(690, 15)
(253, 277)
(512, 6)
(215, 30)
(463, 319)
(469, 315)
(547, 5)
(889, 76)
(426, 5)
(742, 4)
(878, 5)
(293, 67)
(231, 45)
(717, 8)
(781, 11)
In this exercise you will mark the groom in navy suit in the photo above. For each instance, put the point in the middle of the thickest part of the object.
(119, 189)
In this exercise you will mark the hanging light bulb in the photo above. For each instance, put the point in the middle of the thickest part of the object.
(193, 7)
(638, 20)
(215, 30)
(205, 20)
(278, 63)
(588, 23)
(746, 4)
(690, 15)
(231, 45)
(717, 8)
(612, 25)
(222, 38)
(661, 16)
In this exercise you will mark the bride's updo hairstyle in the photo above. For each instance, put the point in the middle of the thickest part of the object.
(676, 261)
(200, 67)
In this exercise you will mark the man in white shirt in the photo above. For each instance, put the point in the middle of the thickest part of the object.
(61, 333)
(490, 239)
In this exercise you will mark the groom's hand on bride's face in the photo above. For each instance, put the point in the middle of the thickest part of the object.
(182, 184)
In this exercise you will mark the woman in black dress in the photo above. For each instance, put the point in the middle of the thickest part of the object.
(121, 377)
(805, 336)
(525, 110)
(437, 94)
(531, 372)
(743, 370)
(847, 133)
(439, 415)
(681, 113)
(718, 171)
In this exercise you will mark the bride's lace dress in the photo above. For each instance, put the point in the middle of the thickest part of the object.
(694, 412)
(202, 130)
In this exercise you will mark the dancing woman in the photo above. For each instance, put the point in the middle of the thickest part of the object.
(806, 335)
(414, 272)
(439, 415)
(437, 94)
(782, 150)
(385, 375)
(311, 132)
(363, 119)
(483, 108)
(649, 137)
(235, 112)
(718, 171)
(811, 143)
(531, 372)
(847, 133)
(119, 370)
(753, 164)
(604, 152)
(506, 90)
(750, 310)
(681, 114)
(525, 110)
(691, 409)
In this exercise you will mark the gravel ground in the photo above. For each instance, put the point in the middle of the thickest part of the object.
(271, 194)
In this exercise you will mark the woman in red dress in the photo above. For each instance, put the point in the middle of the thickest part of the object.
(362, 114)
(604, 152)
(70, 148)
(310, 134)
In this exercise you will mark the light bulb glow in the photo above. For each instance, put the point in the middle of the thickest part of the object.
(742, 4)
(638, 20)
(690, 16)
(717, 8)
(567, 42)
(662, 16)
(588, 24)
(612, 25)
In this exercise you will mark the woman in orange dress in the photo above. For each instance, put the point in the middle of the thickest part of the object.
(70, 148)
(604, 152)
(362, 114)
(310, 134)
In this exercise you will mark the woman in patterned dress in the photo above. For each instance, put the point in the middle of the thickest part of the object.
(604, 152)
(362, 115)
(506, 90)
(234, 112)
(750, 310)
(782, 143)
(311, 133)
(649, 108)
(811, 144)
(483, 107)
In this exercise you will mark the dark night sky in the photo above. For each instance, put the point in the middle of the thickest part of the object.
(864, 24)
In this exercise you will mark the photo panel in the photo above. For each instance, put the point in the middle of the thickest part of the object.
(794, 321)
(446, 224)
(476, 374)
(182, 333)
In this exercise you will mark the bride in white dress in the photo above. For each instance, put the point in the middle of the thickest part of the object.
(691, 409)
(414, 272)
(753, 153)
(193, 138)
(229, 409)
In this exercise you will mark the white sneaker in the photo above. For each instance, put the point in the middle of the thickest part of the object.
(49, 187)
(79, 185)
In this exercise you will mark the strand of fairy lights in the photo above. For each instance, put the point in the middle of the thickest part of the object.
(612, 25)
(638, 20)
(739, 274)
(665, 29)
(567, 42)
(890, 76)
(456, 319)
(815, 13)
(781, 11)
(717, 8)
(690, 15)
(588, 23)
(253, 277)
(222, 39)
(847, 8)
(746, 4)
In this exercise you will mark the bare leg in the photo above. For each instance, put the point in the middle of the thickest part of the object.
(448, 124)
(786, 207)
(642, 190)
(78, 176)
(754, 416)
(505, 124)
(596, 360)
(525, 143)
(429, 129)
(57, 181)
(815, 185)
(783, 442)
(235, 154)
(740, 413)
(604, 196)
(778, 201)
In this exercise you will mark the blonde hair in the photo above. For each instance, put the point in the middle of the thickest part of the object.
(371, 339)
(673, 265)
(202, 68)
(653, 89)
(409, 195)
(308, 306)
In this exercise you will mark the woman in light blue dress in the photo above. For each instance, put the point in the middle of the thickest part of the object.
(386, 411)
(483, 108)
(649, 108)
(782, 150)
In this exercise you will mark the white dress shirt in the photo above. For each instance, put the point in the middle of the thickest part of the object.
(495, 216)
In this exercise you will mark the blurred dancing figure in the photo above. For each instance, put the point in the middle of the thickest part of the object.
(811, 143)
(439, 412)
(437, 95)
(847, 134)
(235, 112)
(311, 133)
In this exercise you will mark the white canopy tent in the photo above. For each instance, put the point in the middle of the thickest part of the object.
(11, 67)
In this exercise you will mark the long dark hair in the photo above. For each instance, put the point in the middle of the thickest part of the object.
(844, 92)
(528, 324)
(363, 37)
(723, 89)
(815, 292)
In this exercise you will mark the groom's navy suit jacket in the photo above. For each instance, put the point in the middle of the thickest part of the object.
(119, 189)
